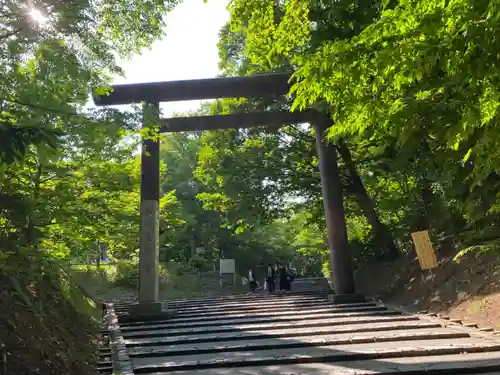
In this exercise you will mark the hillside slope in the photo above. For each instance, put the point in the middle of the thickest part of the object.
(468, 289)
(46, 324)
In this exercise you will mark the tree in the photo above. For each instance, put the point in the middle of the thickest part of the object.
(53, 53)
(204, 223)
(57, 156)
(293, 173)
(416, 80)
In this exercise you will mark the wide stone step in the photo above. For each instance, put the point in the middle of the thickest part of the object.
(138, 339)
(256, 310)
(221, 305)
(319, 292)
(235, 299)
(309, 287)
(312, 339)
(271, 306)
(221, 318)
(264, 319)
(253, 299)
(229, 299)
(456, 364)
(256, 307)
(327, 353)
(266, 325)
(260, 305)
(197, 302)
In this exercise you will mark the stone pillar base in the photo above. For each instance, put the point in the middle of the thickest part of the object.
(346, 298)
(148, 311)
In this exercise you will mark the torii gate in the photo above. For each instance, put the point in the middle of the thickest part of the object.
(227, 87)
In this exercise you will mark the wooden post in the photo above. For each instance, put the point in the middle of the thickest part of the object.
(340, 255)
(150, 194)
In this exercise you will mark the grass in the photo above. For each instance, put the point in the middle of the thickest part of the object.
(475, 306)
(119, 281)
(91, 267)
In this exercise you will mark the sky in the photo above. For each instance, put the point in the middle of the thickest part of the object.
(188, 50)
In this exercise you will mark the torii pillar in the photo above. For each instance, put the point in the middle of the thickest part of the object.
(150, 196)
(333, 204)
(149, 303)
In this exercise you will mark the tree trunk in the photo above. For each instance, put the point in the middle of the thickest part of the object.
(192, 245)
(381, 232)
(426, 195)
(31, 229)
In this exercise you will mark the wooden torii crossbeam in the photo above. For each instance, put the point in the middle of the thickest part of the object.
(235, 121)
(227, 87)
(198, 89)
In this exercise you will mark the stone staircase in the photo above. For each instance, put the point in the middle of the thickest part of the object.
(211, 283)
(298, 334)
(305, 286)
(316, 285)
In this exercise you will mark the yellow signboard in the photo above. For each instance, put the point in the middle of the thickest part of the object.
(425, 251)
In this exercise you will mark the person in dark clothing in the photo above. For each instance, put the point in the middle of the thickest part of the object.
(270, 277)
(283, 275)
(290, 278)
(252, 281)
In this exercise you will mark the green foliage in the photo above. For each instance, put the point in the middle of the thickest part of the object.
(125, 273)
(53, 53)
(223, 230)
(68, 181)
(199, 263)
(412, 88)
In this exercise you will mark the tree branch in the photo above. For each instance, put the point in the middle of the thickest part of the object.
(35, 106)
(11, 33)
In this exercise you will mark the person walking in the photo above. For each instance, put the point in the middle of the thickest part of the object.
(290, 278)
(283, 275)
(252, 281)
(270, 278)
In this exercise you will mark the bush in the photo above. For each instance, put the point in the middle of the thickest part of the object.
(326, 269)
(126, 273)
(199, 263)
(179, 269)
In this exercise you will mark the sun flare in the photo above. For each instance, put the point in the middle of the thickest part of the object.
(37, 16)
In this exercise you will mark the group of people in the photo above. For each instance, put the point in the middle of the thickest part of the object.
(280, 272)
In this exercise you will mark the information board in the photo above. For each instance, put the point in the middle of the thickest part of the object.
(425, 252)
(227, 266)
